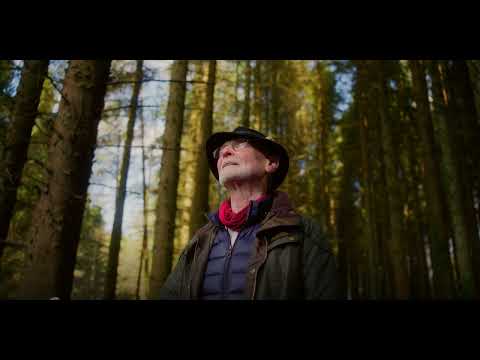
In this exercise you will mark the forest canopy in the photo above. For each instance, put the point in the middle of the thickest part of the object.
(104, 178)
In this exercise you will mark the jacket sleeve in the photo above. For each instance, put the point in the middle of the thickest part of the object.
(320, 270)
(172, 288)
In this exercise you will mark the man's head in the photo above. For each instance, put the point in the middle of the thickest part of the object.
(246, 155)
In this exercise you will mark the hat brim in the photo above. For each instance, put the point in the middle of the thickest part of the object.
(218, 139)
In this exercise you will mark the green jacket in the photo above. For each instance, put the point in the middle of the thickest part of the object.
(292, 259)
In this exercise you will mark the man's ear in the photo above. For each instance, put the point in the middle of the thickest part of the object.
(273, 163)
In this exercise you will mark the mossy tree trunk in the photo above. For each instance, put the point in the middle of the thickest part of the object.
(18, 139)
(57, 218)
(166, 207)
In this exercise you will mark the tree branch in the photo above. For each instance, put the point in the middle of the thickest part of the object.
(15, 244)
(152, 147)
(155, 80)
(129, 106)
(52, 81)
(115, 188)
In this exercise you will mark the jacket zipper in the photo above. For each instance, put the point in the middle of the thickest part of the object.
(225, 272)
(228, 260)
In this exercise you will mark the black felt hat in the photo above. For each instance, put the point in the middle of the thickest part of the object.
(259, 141)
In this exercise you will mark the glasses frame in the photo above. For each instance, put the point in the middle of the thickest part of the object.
(235, 147)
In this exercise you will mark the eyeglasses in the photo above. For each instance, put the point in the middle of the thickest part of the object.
(236, 145)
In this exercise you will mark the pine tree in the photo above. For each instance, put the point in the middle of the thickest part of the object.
(167, 188)
(18, 139)
(202, 172)
(116, 236)
(452, 183)
(55, 230)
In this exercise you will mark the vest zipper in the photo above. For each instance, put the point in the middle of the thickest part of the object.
(227, 266)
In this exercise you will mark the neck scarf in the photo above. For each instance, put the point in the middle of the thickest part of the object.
(232, 220)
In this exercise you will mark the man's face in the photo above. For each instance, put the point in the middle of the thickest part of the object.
(242, 162)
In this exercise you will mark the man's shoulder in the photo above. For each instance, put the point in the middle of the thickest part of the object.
(200, 233)
(306, 223)
(313, 233)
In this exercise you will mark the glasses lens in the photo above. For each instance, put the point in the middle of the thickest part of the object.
(235, 144)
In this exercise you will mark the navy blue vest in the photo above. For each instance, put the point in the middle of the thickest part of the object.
(227, 266)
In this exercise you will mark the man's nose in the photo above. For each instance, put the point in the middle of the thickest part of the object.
(226, 151)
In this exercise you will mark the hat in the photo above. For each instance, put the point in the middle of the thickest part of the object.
(261, 142)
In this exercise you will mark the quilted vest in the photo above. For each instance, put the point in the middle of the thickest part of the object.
(226, 269)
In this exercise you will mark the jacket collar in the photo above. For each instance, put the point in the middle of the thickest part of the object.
(257, 212)
(281, 214)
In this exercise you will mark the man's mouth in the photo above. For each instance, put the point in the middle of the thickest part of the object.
(228, 163)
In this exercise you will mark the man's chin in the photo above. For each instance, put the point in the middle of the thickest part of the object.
(228, 179)
(235, 179)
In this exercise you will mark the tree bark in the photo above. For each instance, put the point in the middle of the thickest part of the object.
(116, 236)
(57, 218)
(144, 251)
(395, 245)
(346, 211)
(362, 97)
(453, 185)
(246, 102)
(18, 139)
(257, 94)
(167, 189)
(266, 89)
(202, 172)
(443, 285)
(237, 86)
(322, 123)
(466, 139)
(419, 279)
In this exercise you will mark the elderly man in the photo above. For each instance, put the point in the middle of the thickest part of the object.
(255, 246)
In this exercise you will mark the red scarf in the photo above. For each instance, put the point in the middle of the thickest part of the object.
(234, 220)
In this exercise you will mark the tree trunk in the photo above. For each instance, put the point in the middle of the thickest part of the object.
(18, 139)
(202, 173)
(346, 211)
(362, 97)
(275, 98)
(382, 219)
(474, 75)
(167, 189)
(57, 218)
(116, 236)
(443, 285)
(467, 137)
(321, 139)
(395, 245)
(453, 184)
(144, 250)
(257, 95)
(191, 137)
(237, 86)
(380, 214)
(246, 102)
(266, 86)
(420, 284)
(98, 275)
